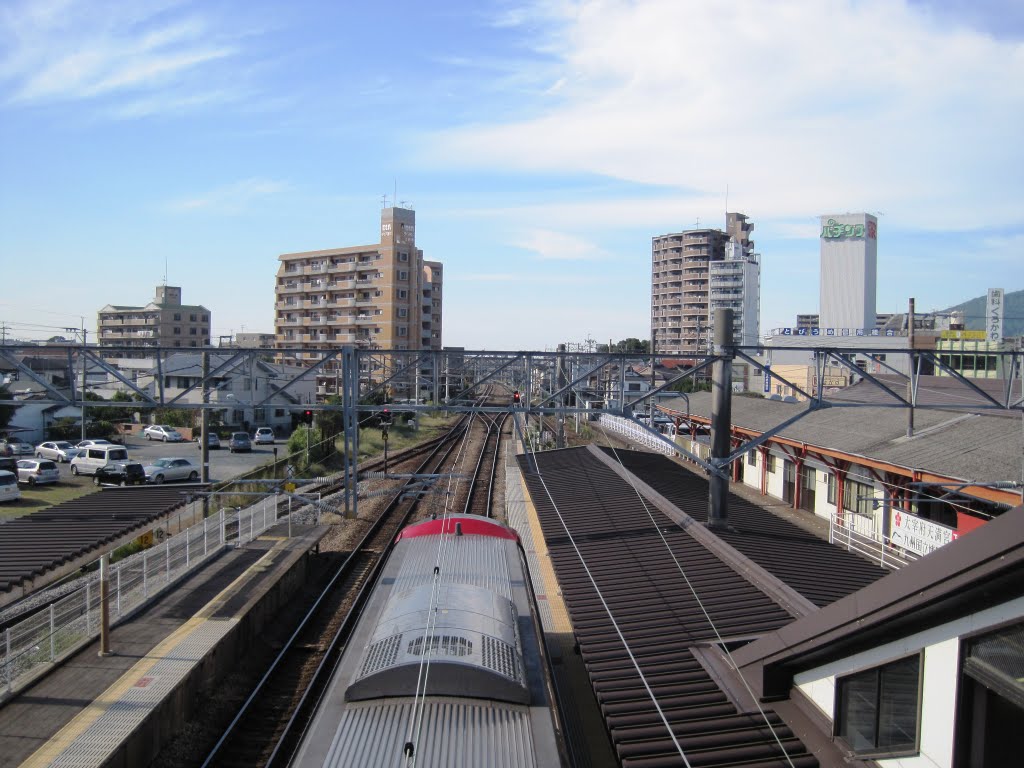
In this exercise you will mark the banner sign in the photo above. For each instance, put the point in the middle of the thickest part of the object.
(832, 230)
(917, 534)
(767, 379)
(994, 315)
(965, 335)
(836, 332)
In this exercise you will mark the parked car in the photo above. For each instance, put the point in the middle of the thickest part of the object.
(92, 458)
(15, 446)
(62, 451)
(120, 473)
(264, 436)
(162, 470)
(162, 432)
(91, 443)
(239, 442)
(37, 471)
(211, 440)
(9, 490)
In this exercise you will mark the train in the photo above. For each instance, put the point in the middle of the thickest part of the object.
(446, 665)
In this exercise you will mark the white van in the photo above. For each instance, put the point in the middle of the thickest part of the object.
(9, 490)
(96, 456)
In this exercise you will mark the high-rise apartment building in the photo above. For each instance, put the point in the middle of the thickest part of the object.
(379, 296)
(164, 322)
(736, 285)
(681, 283)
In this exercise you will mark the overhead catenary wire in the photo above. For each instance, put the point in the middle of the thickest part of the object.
(696, 596)
(608, 611)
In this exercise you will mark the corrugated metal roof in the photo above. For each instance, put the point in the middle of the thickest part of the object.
(819, 571)
(638, 559)
(456, 733)
(32, 545)
(969, 447)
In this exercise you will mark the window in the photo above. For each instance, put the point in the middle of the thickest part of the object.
(193, 331)
(206, 318)
(403, 274)
(177, 331)
(403, 312)
(403, 256)
(752, 457)
(877, 710)
(772, 459)
(858, 497)
(177, 316)
(192, 318)
(403, 294)
(403, 331)
(831, 480)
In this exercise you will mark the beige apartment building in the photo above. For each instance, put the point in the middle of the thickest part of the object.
(164, 322)
(680, 278)
(380, 296)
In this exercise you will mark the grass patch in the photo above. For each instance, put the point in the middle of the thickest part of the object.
(36, 498)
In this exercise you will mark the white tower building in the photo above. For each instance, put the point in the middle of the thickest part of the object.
(849, 266)
(735, 283)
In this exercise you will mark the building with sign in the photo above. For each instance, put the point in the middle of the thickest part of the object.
(379, 296)
(972, 354)
(681, 284)
(849, 266)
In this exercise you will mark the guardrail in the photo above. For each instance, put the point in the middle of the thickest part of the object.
(33, 646)
(842, 533)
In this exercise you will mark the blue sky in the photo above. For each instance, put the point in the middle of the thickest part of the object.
(541, 144)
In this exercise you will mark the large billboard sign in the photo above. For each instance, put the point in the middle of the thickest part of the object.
(834, 230)
(917, 534)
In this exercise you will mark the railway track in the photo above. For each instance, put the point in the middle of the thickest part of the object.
(270, 723)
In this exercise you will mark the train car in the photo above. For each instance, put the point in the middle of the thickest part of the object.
(446, 665)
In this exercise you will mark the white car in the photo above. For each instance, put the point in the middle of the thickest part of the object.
(264, 436)
(91, 444)
(9, 490)
(163, 470)
(162, 432)
(60, 450)
(37, 471)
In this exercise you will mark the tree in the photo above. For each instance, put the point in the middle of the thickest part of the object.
(630, 346)
(6, 411)
(331, 423)
(319, 449)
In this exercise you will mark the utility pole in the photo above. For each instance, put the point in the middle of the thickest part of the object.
(910, 381)
(204, 438)
(721, 418)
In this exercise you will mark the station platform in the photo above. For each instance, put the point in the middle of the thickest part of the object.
(119, 710)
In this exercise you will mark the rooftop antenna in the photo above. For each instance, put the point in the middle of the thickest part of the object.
(384, 201)
(727, 203)
(165, 270)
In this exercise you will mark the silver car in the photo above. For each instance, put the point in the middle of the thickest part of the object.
(162, 432)
(37, 471)
(163, 470)
(62, 451)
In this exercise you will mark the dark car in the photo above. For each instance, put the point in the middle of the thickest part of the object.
(239, 442)
(120, 473)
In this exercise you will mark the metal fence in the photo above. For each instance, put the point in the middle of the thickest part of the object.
(634, 433)
(843, 532)
(33, 646)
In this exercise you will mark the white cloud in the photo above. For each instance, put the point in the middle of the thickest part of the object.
(230, 199)
(802, 106)
(559, 246)
(83, 49)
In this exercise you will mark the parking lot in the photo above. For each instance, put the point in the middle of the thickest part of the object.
(223, 466)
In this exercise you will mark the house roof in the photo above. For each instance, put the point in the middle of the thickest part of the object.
(978, 570)
(959, 445)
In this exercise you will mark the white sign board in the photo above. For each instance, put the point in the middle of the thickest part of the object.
(917, 534)
(994, 315)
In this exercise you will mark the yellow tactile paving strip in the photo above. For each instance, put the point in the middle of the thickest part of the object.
(67, 737)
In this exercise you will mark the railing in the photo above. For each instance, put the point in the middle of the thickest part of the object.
(634, 433)
(35, 645)
(843, 533)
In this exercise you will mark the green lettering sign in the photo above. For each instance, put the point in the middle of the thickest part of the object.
(833, 230)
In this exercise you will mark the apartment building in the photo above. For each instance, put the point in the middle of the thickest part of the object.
(164, 322)
(379, 296)
(736, 285)
(681, 281)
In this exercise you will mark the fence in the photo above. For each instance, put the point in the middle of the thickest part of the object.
(34, 645)
(843, 532)
(634, 433)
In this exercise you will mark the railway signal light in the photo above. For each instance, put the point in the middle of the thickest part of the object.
(307, 416)
(385, 418)
(515, 397)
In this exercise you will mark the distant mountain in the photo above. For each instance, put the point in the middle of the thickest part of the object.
(1013, 313)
